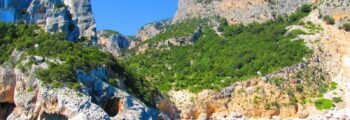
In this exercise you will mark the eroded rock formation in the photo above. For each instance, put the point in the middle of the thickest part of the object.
(73, 17)
(23, 97)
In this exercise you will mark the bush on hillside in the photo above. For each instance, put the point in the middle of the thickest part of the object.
(329, 20)
(306, 8)
(346, 27)
(324, 104)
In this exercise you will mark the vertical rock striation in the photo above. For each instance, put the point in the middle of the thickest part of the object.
(73, 17)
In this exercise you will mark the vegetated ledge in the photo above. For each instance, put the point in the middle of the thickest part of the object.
(214, 62)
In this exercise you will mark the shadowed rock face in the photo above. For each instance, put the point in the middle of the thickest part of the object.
(10, 10)
(112, 107)
(50, 116)
(73, 17)
(6, 109)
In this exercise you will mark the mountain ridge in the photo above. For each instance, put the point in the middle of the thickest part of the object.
(120, 77)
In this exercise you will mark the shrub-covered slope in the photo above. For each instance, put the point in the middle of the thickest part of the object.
(214, 61)
(63, 57)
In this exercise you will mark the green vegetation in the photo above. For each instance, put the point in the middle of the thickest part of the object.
(306, 8)
(323, 104)
(295, 33)
(313, 28)
(214, 61)
(337, 99)
(346, 26)
(333, 86)
(34, 42)
(329, 20)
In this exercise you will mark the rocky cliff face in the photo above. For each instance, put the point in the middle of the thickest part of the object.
(24, 97)
(150, 30)
(73, 17)
(236, 11)
(113, 42)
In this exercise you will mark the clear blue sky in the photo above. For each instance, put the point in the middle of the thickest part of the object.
(127, 16)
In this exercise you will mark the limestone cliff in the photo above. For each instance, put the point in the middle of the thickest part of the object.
(73, 17)
(236, 11)
(150, 30)
(24, 97)
(113, 42)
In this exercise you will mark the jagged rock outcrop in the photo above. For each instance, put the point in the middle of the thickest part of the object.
(150, 30)
(172, 42)
(73, 17)
(113, 42)
(236, 11)
(25, 97)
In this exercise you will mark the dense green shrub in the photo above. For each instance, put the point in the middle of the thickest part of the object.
(295, 33)
(306, 8)
(329, 20)
(324, 104)
(223, 24)
(346, 26)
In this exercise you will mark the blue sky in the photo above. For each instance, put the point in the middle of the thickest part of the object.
(127, 16)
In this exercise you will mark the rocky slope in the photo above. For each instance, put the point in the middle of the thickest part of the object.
(73, 17)
(265, 99)
(24, 97)
(338, 9)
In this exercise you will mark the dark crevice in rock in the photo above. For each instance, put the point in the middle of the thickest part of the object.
(112, 107)
(6, 109)
(50, 116)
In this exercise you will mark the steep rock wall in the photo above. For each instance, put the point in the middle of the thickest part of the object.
(24, 97)
(236, 11)
(73, 17)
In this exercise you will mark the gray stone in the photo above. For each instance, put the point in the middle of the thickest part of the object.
(113, 42)
(38, 59)
(150, 30)
(73, 17)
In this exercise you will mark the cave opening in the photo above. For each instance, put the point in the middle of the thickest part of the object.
(112, 107)
(52, 116)
(6, 109)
